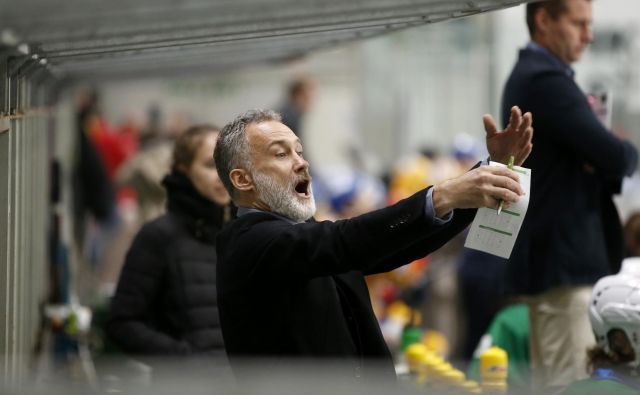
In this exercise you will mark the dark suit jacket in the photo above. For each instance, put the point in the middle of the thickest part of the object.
(571, 234)
(298, 290)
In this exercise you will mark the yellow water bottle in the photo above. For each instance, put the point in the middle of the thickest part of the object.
(493, 371)
(415, 354)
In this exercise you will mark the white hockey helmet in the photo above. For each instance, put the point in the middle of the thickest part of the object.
(615, 304)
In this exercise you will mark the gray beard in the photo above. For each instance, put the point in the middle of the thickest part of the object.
(281, 199)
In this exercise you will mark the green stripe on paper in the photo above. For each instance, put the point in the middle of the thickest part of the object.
(511, 212)
(495, 230)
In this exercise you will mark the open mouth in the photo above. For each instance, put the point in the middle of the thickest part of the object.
(302, 188)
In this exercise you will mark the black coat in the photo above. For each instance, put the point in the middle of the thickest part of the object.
(571, 234)
(165, 303)
(298, 290)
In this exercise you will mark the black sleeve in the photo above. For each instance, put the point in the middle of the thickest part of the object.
(560, 108)
(390, 236)
(461, 219)
(131, 324)
(442, 234)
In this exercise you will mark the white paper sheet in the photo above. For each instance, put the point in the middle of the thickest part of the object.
(496, 234)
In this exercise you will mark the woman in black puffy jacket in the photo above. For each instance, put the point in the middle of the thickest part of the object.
(165, 302)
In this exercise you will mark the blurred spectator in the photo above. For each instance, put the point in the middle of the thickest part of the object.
(346, 193)
(298, 102)
(115, 145)
(571, 235)
(143, 173)
(165, 303)
(93, 191)
(467, 150)
(409, 176)
(128, 136)
(153, 129)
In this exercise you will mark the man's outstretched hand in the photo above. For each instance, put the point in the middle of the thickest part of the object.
(483, 186)
(514, 140)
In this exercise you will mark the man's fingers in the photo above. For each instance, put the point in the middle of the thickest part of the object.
(494, 203)
(523, 145)
(527, 120)
(481, 187)
(515, 119)
(525, 138)
(528, 133)
(509, 184)
(489, 125)
(503, 194)
(504, 180)
(503, 172)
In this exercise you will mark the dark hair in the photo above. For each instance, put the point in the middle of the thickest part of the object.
(621, 353)
(232, 148)
(554, 8)
(186, 146)
(632, 234)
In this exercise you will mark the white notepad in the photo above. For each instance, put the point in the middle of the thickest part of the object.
(496, 234)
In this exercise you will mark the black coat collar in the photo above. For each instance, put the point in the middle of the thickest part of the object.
(202, 217)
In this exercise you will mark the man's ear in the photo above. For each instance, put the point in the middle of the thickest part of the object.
(541, 20)
(241, 179)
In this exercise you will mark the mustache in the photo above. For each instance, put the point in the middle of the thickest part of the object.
(306, 176)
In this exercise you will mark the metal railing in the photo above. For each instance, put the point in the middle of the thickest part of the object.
(24, 222)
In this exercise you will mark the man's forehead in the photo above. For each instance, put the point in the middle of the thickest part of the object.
(265, 133)
(578, 8)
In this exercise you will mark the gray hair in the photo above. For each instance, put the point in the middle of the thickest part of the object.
(232, 147)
